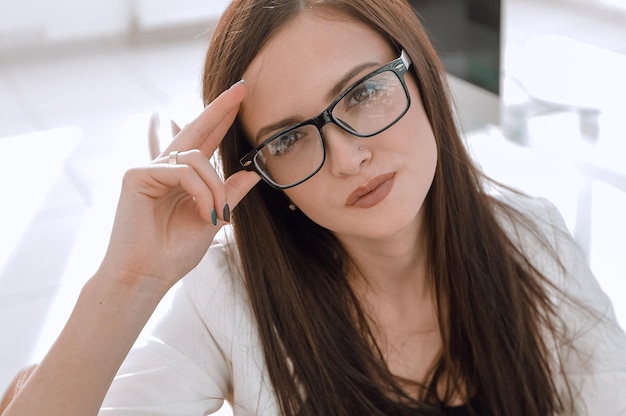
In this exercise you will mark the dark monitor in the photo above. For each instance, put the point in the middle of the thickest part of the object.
(466, 34)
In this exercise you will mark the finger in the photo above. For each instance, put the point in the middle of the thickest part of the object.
(238, 185)
(203, 168)
(156, 181)
(174, 128)
(207, 130)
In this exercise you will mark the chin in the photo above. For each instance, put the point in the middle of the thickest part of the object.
(390, 227)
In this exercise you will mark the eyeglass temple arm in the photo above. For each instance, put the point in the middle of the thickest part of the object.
(404, 57)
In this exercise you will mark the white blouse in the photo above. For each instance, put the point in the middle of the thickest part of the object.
(203, 347)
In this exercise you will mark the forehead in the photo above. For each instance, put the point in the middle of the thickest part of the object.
(293, 73)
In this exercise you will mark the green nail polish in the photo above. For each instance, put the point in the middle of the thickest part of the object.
(214, 216)
(226, 212)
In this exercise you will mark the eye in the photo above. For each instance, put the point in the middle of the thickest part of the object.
(285, 142)
(363, 92)
(370, 93)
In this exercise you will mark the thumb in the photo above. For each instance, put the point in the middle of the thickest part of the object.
(238, 185)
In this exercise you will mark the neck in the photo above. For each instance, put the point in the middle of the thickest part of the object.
(393, 270)
(391, 278)
(392, 281)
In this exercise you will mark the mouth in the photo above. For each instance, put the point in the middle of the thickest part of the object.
(372, 192)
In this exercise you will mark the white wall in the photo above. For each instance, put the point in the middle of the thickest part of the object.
(39, 22)
(563, 97)
(26, 23)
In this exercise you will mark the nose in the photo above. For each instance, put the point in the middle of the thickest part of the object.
(345, 153)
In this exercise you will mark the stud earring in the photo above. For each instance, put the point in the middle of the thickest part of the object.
(292, 207)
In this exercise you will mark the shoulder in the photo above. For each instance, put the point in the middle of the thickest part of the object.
(536, 227)
(200, 346)
(217, 290)
(216, 286)
(540, 232)
(221, 259)
(518, 211)
(590, 350)
(208, 307)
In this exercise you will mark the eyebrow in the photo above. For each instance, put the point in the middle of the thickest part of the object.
(337, 89)
(279, 125)
(341, 84)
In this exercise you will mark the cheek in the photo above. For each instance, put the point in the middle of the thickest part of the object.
(423, 146)
(309, 197)
(413, 142)
(417, 152)
(427, 154)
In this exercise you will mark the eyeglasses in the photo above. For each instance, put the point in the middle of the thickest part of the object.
(368, 107)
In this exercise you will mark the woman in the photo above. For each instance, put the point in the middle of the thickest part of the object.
(373, 271)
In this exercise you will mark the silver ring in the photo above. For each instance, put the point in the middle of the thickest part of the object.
(173, 157)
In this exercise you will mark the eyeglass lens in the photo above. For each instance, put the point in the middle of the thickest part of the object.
(368, 108)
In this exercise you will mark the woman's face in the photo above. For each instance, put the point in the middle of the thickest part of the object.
(368, 187)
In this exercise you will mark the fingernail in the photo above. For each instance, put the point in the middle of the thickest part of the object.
(226, 212)
(241, 81)
(214, 216)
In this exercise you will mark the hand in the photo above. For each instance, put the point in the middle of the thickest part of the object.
(166, 213)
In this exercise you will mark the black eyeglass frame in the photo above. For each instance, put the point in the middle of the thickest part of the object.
(398, 66)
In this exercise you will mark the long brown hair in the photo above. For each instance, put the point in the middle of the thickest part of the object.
(493, 305)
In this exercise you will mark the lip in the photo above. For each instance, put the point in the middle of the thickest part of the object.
(371, 193)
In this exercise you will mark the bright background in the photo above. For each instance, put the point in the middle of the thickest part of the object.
(78, 82)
